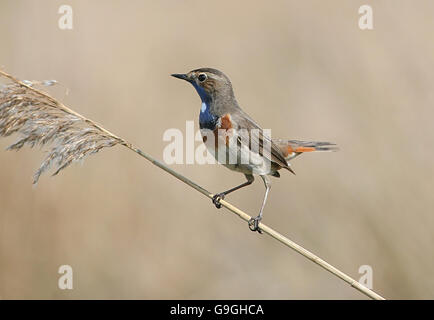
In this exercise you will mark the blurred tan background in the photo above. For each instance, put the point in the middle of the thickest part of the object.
(302, 68)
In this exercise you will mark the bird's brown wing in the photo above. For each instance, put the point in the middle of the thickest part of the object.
(256, 137)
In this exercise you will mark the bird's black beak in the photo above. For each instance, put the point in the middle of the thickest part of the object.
(181, 76)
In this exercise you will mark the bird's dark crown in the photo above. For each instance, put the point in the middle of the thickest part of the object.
(209, 83)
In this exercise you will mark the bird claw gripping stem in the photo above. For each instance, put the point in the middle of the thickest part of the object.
(254, 224)
(216, 199)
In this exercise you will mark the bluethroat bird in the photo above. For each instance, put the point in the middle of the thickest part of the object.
(236, 135)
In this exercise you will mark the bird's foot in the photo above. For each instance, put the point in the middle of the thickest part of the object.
(254, 224)
(216, 199)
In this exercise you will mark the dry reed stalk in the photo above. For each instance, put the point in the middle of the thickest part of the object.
(42, 120)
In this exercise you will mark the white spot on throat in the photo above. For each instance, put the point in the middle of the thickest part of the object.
(203, 107)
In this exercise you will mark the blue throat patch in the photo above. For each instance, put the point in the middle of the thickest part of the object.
(206, 119)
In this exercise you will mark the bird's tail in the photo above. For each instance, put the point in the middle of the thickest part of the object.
(293, 148)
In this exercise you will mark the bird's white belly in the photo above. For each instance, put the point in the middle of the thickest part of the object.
(236, 157)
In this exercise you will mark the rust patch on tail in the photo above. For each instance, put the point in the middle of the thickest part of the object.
(288, 150)
(304, 149)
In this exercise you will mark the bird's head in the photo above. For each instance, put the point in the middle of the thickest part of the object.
(210, 84)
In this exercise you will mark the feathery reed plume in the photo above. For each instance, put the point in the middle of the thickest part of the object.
(41, 120)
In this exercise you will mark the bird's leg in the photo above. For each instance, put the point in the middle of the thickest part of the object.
(220, 196)
(254, 222)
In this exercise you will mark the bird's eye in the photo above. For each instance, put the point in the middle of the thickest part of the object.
(202, 77)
